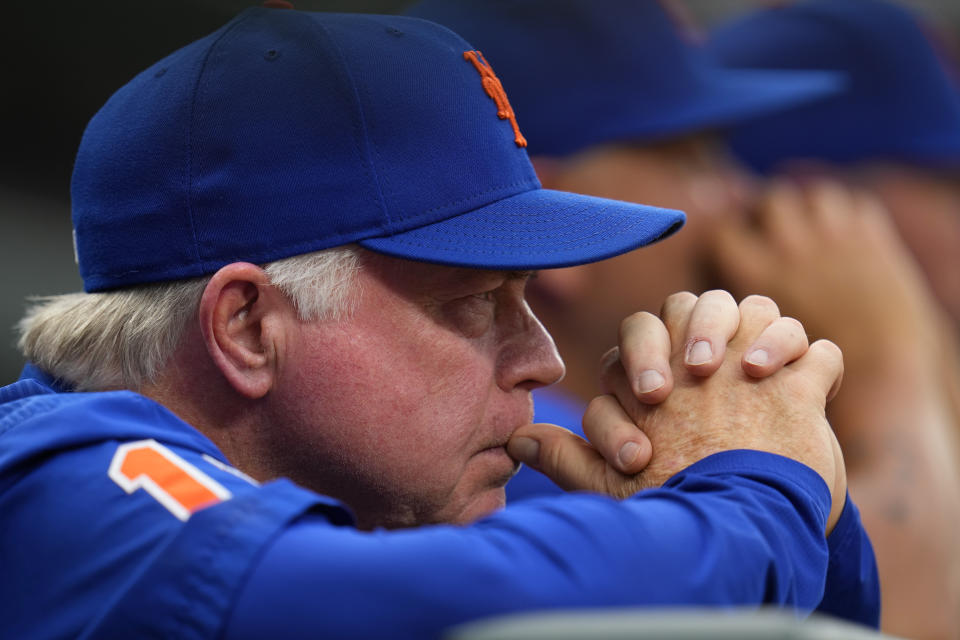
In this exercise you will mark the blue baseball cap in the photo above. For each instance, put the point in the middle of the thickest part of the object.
(286, 132)
(902, 101)
(582, 72)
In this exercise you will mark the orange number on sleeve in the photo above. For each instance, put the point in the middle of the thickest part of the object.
(169, 479)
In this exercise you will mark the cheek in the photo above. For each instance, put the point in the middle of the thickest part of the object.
(385, 414)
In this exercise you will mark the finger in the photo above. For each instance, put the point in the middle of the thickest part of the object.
(784, 216)
(744, 258)
(831, 206)
(614, 382)
(645, 353)
(616, 436)
(561, 455)
(756, 314)
(713, 321)
(783, 341)
(822, 363)
(564, 457)
(675, 313)
(874, 220)
(869, 205)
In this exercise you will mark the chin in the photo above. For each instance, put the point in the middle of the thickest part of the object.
(489, 501)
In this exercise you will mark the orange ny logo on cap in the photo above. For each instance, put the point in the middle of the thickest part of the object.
(494, 89)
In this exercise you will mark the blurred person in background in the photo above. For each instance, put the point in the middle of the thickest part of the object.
(618, 100)
(877, 273)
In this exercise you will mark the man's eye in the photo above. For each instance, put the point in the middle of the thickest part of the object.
(472, 315)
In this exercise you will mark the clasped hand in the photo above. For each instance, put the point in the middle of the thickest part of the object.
(707, 375)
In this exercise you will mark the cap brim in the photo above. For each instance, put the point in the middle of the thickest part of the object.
(537, 229)
(728, 97)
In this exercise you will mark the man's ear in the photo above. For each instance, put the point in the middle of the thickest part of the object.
(240, 315)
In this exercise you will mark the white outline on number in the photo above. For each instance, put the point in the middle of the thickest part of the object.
(148, 484)
(231, 470)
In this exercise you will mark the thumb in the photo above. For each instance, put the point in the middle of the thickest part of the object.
(569, 460)
(822, 363)
(564, 457)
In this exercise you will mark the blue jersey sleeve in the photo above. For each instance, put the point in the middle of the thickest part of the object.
(852, 591)
(189, 585)
(738, 528)
(94, 550)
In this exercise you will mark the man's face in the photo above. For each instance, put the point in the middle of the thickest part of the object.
(403, 409)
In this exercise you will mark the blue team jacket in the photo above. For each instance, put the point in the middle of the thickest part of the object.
(852, 589)
(120, 520)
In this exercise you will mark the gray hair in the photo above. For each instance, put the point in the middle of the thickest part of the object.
(122, 338)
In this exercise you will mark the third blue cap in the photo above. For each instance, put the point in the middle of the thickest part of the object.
(902, 101)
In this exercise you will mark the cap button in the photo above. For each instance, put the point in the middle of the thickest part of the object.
(277, 4)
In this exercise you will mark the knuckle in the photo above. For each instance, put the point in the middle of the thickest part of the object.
(715, 312)
(595, 409)
(794, 327)
(678, 300)
(829, 346)
(719, 296)
(681, 296)
(638, 318)
(759, 303)
(829, 349)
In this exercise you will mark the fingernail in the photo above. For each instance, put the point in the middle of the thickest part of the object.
(628, 453)
(699, 352)
(758, 357)
(650, 380)
(526, 450)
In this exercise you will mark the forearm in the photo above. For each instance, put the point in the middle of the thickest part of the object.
(742, 528)
(899, 435)
(950, 370)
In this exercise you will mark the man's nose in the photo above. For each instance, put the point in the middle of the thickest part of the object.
(528, 357)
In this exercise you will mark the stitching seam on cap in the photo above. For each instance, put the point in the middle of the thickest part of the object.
(535, 214)
(197, 89)
(381, 177)
(480, 193)
(371, 168)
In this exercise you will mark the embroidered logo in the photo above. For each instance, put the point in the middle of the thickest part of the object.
(494, 89)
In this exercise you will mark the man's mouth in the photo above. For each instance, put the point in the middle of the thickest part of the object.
(498, 455)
